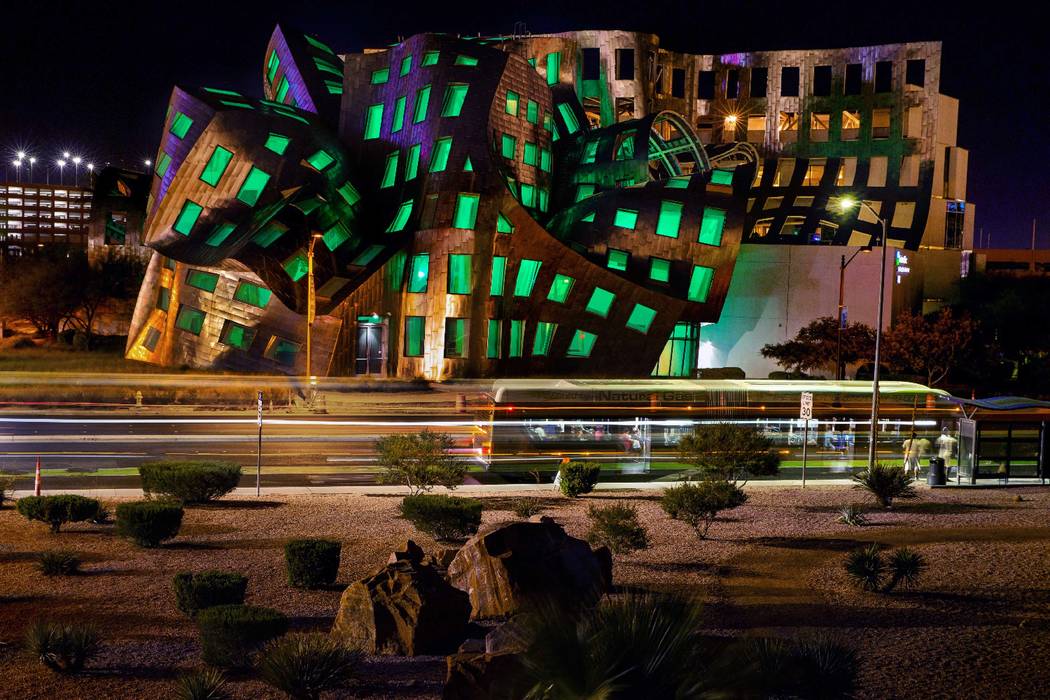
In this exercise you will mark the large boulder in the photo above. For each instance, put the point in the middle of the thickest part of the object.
(474, 676)
(512, 565)
(404, 608)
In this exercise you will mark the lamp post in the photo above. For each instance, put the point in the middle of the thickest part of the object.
(840, 370)
(847, 204)
(76, 171)
(18, 169)
(32, 161)
(310, 304)
(61, 171)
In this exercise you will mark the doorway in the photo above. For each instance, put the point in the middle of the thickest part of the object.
(370, 356)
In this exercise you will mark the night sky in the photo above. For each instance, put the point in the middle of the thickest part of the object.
(95, 77)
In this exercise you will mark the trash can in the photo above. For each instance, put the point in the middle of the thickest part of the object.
(936, 475)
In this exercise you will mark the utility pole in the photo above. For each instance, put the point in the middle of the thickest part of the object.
(258, 457)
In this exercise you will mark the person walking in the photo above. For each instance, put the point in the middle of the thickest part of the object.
(912, 447)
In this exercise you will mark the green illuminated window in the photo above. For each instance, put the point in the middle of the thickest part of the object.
(659, 270)
(617, 259)
(320, 160)
(553, 69)
(253, 186)
(309, 205)
(282, 89)
(600, 302)
(348, 193)
(517, 337)
(373, 121)
(296, 266)
(366, 256)
(532, 112)
(439, 158)
(216, 166)
(503, 224)
(202, 280)
(406, 65)
(589, 218)
(277, 143)
(700, 283)
(190, 319)
(641, 318)
(526, 280)
(430, 58)
(560, 288)
(422, 102)
(401, 218)
(590, 151)
(162, 164)
(512, 103)
(318, 44)
(220, 91)
(545, 160)
(334, 87)
(625, 218)
(380, 76)
(462, 60)
(466, 213)
(459, 281)
(269, 233)
(390, 170)
(492, 343)
(419, 273)
(281, 350)
(670, 219)
(529, 154)
(455, 96)
(677, 183)
(398, 120)
(584, 191)
(236, 335)
(544, 197)
(624, 146)
(412, 162)
(541, 343)
(252, 294)
(336, 236)
(181, 124)
(455, 337)
(191, 211)
(711, 226)
(581, 345)
(163, 298)
(548, 121)
(499, 276)
(220, 233)
(468, 167)
(272, 64)
(415, 330)
(721, 177)
(572, 124)
(508, 146)
(528, 194)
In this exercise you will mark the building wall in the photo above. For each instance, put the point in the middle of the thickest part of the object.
(34, 214)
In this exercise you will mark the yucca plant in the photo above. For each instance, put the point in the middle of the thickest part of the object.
(905, 568)
(58, 563)
(206, 684)
(305, 665)
(816, 667)
(866, 567)
(62, 647)
(852, 515)
(886, 484)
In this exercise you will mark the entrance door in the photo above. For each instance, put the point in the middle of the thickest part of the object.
(371, 348)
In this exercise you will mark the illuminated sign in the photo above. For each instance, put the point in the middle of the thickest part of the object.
(900, 265)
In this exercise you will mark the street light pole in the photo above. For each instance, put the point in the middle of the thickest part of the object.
(310, 306)
(878, 343)
(840, 370)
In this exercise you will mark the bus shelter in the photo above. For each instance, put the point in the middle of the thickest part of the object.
(1004, 438)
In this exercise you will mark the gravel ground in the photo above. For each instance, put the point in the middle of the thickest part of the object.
(976, 626)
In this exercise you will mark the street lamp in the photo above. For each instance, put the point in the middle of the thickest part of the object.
(61, 171)
(840, 369)
(18, 168)
(76, 171)
(310, 302)
(32, 161)
(846, 205)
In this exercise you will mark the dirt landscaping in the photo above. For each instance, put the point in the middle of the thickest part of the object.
(978, 625)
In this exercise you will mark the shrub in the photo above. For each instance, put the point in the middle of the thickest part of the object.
(444, 517)
(617, 528)
(7, 485)
(56, 511)
(231, 633)
(305, 665)
(59, 563)
(206, 684)
(729, 452)
(62, 647)
(852, 515)
(419, 461)
(865, 567)
(807, 668)
(905, 568)
(312, 563)
(195, 592)
(190, 482)
(886, 484)
(525, 507)
(148, 523)
(698, 503)
(578, 478)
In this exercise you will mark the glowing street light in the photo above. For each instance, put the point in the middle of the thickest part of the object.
(76, 170)
(148, 162)
(61, 171)
(17, 162)
(32, 161)
(65, 154)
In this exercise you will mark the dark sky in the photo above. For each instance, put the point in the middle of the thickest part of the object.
(95, 76)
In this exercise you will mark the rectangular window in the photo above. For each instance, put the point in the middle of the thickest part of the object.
(439, 158)
(508, 146)
(406, 65)
(581, 345)
(592, 68)
(398, 120)
(412, 162)
(705, 85)
(529, 154)
(759, 80)
(678, 82)
(190, 319)
(883, 76)
(670, 219)
(590, 152)
(380, 76)
(625, 64)
(272, 64)
(499, 275)
(282, 89)
(373, 121)
(553, 67)
(466, 214)
(401, 218)
(880, 123)
(601, 302)
(336, 235)
(296, 266)
(850, 125)
(545, 160)
(532, 112)
(390, 170)
(732, 84)
(455, 337)
(191, 211)
(819, 125)
(414, 333)
(281, 350)
(511, 105)
(528, 270)
(877, 167)
(915, 72)
(253, 186)
(503, 224)
(492, 342)
(659, 270)
(517, 337)
(455, 96)
(462, 60)
(162, 165)
(700, 283)
(202, 280)
(163, 298)
(277, 143)
(711, 225)
(789, 81)
(583, 191)
(430, 58)
(560, 288)
(236, 335)
(252, 294)
(150, 341)
(541, 343)
(269, 233)
(418, 273)
(822, 81)
(625, 218)
(459, 281)
(528, 194)
(854, 79)
(422, 102)
(181, 124)
(641, 318)
(617, 260)
(320, 160)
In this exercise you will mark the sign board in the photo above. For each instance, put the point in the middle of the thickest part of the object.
(260, 409)
(805, 410)
(843, 317)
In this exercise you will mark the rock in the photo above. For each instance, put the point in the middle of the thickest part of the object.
(605, 561)
(404, 608)
(509, 565)
(484, 677)
(472, 645)
(445, 556)
(510, 637)
(410, 551)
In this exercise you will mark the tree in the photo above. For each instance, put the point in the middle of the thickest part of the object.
(419, 461)
(113, 276)
(44, 287)
(728, 452)
(931, 345)
(816, 346)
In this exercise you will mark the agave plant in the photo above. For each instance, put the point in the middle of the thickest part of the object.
(905, 568)
(852, 515)
(306, 665)
(206, 684)
(812, 667)
(866, 567)
(62, 647)
(886, 484)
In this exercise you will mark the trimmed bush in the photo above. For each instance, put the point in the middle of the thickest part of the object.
(231, 633)
(419, 461)
(206, 684)
(699, 503)
(62, 647)
(195, 592)
(148, 523)
(306, 665)
(444, 517)
(578, 478)
(56, 511)
(312, 563)
(886, 484)
(59, 563)
(189, 482)
(617, 528)
(7, 485)
(526, 507)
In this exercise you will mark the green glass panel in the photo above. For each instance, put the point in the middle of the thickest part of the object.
(678, 358)
(541, 343)
(296, 266)
(335, 236)
(582, 344)
(548, 121)
(544, 197)
(181, 124)
(317, 43)
(277, 143)
(412, 162)
(625, 218)
(220, 91)
(401, 218)
(415, 330)
(600, 302)
(492, 343)
(320, 160)
(455, 96)
(282, 89)
(269, 233)
(373, 121)
(220, 233)
(528, 194)
(439, 159)
(202, 280)
(499, 275)
(191, 211)
(422, 102)
(711, 226)
(589, 218)
(721, 177)
(163, 298)
(253, 186)
(700, 283)
(419, 273)
(590, 152)
(282, 351)
(526, 280)
(503, 224)
(572, 124)
(553, 69)
(455, 337)
(234, 103)
(517, 337)
(398, 122)
(390, 171)
(584, 191)
(545, 160)
(430, 58)
(406, 65)
(660, 270)
(162, 165)
(560, 288)
(625, 147)
(190, 319)
(326, 67)
(349, 194)
(617, 260)
(380, 76)
(511, 105)
(367, 255)
(677, 183)
(532, 112)
(670, 219)
(508, 146)
(237, 336)
(468, 167)
(459, 281)
(334, 87)
(529, 154)
(466, 214)
(216, 166)
(641, 318)
(252, 294)
(462, 60)
(272, 64)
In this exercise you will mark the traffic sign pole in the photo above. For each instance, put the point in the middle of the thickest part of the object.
(805, 412)
(258, 459)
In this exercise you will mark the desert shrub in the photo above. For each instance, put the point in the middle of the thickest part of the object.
(419, 461)
(807, 668)
(886, 484)
(56, 511)
(525, 507)
(102, 515)
(62, 647)
(206, 684)
(865, 567)
(728, 452)
(58, 563)
(231, 633)
(7, 485)
(195, 592)
(148, 523)
(905, 568)
(698, 503)
(617, 528)
(444, 517)
(852, 515)
(578, 478)
(305, 665)
(312, 563)
(190, 482)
